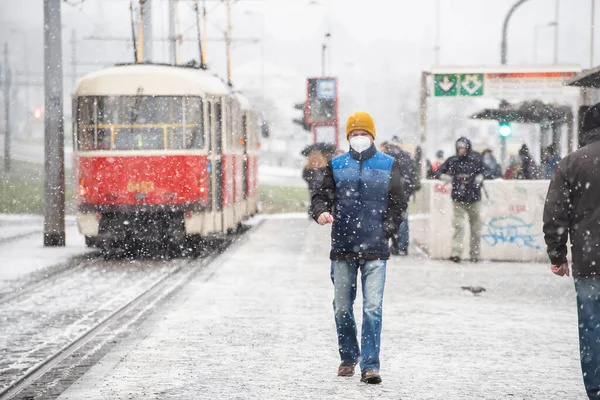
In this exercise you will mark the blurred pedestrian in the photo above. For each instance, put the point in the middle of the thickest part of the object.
(412, 181)
(314, 170)
(514, 170)
(465, 172)
(491, 168)
(528, 167)
(362, 195)
(439, 160)
(550, 162)
(573, 209)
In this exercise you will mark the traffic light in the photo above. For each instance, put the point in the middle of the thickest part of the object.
(504, 129)
(302, 121)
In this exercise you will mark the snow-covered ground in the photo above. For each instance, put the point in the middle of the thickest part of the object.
(280, 176)
(22, 252)
(258, 324)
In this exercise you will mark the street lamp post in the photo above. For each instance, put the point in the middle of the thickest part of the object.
(504, 45)
(556, 21)
(503, 61)
(323, 51)
(592, 33)
(535, 39)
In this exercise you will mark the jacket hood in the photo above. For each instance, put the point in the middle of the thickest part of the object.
(464, 140)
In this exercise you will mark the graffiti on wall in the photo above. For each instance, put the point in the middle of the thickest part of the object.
(510, 230)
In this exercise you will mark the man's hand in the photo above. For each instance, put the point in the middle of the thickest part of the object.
(561, 270)
(325, 218)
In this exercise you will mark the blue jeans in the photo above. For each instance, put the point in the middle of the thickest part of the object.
(343, 276)
(588, 311)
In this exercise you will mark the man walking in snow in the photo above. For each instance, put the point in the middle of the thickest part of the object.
(573, 209)
(362, 195)
(465, 172)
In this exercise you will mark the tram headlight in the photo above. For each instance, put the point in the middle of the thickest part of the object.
(83, 190)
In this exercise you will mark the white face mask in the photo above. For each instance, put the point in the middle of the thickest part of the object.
(360, 143)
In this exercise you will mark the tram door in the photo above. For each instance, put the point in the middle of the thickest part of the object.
(217, 163)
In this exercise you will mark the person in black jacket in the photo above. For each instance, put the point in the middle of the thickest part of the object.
(465, 172)
(528, 167)
(363, 196)
(572, 210)
(401, 240)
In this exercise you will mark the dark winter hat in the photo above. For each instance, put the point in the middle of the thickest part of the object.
(591, 119)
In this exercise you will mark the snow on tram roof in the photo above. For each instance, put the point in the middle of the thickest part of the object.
(243, 100)
(153, 79)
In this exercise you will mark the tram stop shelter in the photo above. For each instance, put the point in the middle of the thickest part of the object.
(549, 116)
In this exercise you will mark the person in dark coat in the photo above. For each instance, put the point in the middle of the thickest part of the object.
(491, 168)
(550, 162)
(465, 172)
(363, 196)
(314, 170)
(528, 167)
(572, 210)
(401, 240)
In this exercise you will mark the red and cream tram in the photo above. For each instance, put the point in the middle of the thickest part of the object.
(162, 154)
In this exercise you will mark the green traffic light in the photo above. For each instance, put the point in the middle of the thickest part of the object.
(505, 129)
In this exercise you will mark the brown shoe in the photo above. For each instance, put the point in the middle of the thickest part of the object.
(346, 370)
(371, 376)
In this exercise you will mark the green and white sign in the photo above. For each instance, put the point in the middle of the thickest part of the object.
(446, 85)
(471, 84)
(452, 85)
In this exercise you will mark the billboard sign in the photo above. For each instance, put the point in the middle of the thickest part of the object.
(322, 98)
(514, 83)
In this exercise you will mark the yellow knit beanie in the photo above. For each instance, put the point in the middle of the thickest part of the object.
(360, 120)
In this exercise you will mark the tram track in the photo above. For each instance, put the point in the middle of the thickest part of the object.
(121, 317)
(60, 271)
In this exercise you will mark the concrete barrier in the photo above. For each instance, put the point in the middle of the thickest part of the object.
(511, 218)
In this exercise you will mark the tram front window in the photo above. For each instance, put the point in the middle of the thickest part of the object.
(139, 123)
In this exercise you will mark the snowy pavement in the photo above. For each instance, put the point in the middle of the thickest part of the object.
(258, 324)
(22, 253)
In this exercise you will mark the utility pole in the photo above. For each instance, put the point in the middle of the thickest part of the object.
(438, 22)
(228, 42)
(204, 24)
(199, 32)
(54, 164)
(556, 21)
(73, 59)
(172, 36)
(146, 7)
(7, 81)
(592, 33)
